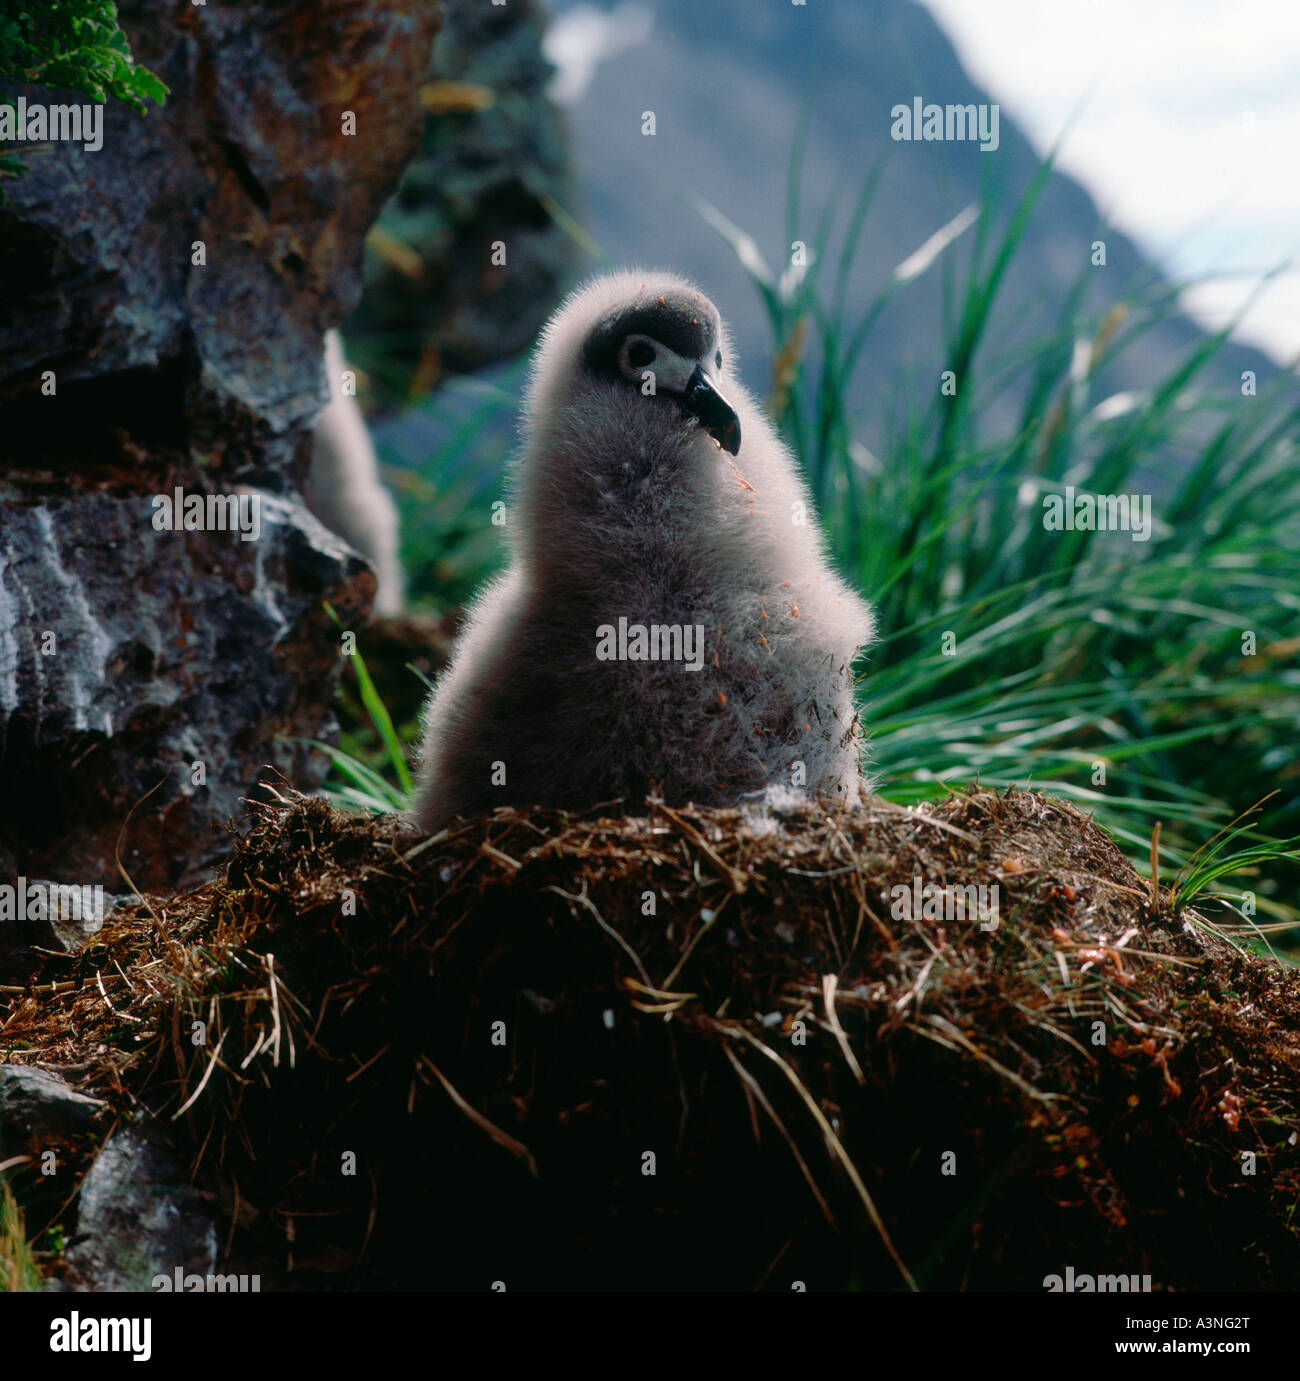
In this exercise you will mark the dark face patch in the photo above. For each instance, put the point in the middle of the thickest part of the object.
(681, 321)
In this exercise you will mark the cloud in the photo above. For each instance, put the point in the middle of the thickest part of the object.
(579, 39)
(1188, 123)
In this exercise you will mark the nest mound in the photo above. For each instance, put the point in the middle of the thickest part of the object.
(700, 1049)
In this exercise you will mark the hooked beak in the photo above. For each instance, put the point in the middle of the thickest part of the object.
(703, 401)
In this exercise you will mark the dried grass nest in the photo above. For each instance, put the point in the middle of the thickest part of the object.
(695, 1050)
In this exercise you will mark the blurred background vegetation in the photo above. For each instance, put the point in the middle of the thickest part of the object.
(75, 44)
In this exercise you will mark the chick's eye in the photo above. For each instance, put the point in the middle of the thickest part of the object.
(717, 359)
(640, 354)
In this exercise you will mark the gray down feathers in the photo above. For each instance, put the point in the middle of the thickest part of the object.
(623, 507)
(343, 487)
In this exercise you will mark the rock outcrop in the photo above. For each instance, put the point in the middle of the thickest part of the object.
(139, 1218)
(164, 305)
(467, 260)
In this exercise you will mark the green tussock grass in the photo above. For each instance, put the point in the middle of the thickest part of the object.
(1149, 681)
(18, 1270)
(355, 783)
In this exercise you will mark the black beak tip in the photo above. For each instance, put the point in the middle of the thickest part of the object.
(712, 411)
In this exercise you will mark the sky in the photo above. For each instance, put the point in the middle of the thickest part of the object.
(1184, 123)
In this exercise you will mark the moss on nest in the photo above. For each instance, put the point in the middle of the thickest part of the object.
(350, 975)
